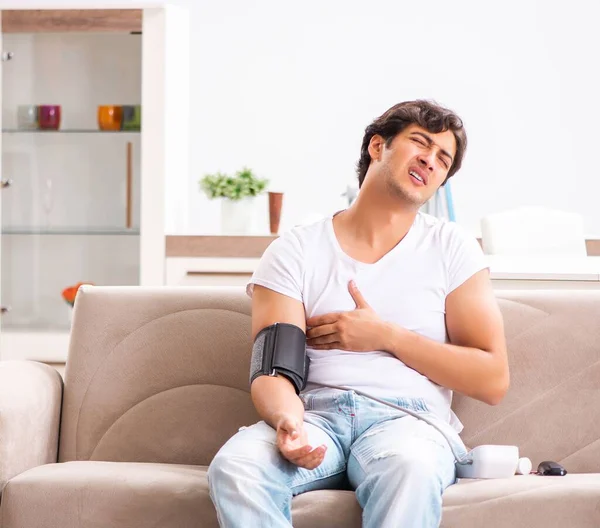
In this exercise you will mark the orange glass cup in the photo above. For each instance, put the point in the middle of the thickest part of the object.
(110, 117)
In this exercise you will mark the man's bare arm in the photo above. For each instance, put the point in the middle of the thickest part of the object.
(273, 396)
(475, 363)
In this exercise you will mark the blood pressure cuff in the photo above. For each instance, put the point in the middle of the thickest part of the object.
(280, 349)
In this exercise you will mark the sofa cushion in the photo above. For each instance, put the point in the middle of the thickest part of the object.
(156, 375)
(30, 402)
(326, 509)
(526, 500)
(536, 502)
(131, 495)
(533, 501)
(102, 494)
(552, 409)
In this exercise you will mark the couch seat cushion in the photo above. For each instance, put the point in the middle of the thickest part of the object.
(530, 501)
(103, 494)
(131, 495)
(524, 501)
(326, 509)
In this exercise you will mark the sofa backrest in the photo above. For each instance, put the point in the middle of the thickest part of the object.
(161, 375)
(552, 409)
(156, 374)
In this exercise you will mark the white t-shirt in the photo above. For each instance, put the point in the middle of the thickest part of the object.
(407, 286)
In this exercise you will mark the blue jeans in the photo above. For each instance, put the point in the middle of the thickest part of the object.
(398, 465)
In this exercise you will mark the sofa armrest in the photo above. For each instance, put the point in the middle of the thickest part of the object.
(30, 403)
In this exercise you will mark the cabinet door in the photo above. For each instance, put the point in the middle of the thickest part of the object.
(72, 212)
(3, 185)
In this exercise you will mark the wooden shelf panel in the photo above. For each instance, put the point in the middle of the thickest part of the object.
(251, 246)
(217, 246)
(61, 20)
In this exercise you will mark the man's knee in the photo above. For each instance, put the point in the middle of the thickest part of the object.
(220, 471)
(234, 472)
(247, 455)
(416, 466)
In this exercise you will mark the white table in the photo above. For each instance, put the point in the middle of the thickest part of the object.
(506, 272)
(516, 272)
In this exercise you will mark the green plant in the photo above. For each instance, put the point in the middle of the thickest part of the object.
(242, 185)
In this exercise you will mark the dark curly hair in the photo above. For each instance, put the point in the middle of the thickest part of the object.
(428, 115)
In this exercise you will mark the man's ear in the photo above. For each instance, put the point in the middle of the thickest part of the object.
(376, 147)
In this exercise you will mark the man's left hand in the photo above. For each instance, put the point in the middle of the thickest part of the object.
(360, 330)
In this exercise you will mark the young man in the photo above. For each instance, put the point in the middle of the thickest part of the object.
(396, 304)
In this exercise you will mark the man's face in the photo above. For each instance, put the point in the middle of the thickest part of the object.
(416, 163)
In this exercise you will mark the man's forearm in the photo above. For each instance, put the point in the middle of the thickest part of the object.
(274, 395)
(470, 371)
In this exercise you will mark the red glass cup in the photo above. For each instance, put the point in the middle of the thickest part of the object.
(49, 117)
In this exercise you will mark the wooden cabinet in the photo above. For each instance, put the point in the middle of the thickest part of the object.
(64, 20)
(82, 204)
(209, 271)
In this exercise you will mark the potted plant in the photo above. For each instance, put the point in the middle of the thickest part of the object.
(237, 193)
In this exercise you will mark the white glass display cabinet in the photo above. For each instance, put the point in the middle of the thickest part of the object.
(86, 148)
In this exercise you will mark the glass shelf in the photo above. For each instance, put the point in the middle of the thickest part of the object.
(66, 131)
(53, 330)
(69, 231)
(75, 190)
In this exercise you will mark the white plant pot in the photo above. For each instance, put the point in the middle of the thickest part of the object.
(237, 216)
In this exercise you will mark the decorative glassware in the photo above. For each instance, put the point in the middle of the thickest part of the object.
(110, 117)
(27, 117)
(49, 116)
(132, 117)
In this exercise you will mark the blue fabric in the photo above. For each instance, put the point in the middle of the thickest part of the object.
(398, 465)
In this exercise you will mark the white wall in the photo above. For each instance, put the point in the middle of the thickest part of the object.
(288, 90)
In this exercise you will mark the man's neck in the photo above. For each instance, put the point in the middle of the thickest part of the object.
(372, 226)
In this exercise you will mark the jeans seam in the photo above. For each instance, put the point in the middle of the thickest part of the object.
(353, 415)
(210, 494)
(283, 503)
(459, 446)
(358, 461)
(365, 472)
(307, 401)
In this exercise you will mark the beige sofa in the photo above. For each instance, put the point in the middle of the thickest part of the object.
(157, 380)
